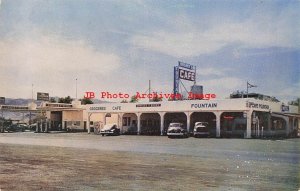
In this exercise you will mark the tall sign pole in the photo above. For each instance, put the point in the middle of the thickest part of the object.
(247, 88)
(149, 89)
(176, 82)
(250, 86)
(195, 75)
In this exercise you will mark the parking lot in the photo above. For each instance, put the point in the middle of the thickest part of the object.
(79, 161)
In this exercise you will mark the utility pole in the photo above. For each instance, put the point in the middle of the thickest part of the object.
(76, 89)
(298, 99)
(32, 93)
(31, 103)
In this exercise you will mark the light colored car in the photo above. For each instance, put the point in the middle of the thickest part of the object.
(32, 127)
(177, 130)
(110, 129)
(201, 129)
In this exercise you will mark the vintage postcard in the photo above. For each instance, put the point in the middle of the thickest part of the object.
(149, 95)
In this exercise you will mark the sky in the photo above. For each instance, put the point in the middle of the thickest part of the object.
(118, 46)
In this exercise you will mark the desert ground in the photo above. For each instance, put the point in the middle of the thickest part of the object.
(81, 161)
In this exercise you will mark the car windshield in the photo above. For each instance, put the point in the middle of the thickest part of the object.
(175, 125)
(201, 123)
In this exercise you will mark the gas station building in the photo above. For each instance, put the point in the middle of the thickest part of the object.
(242, 117)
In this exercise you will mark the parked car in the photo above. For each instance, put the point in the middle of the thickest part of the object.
(110, 129)
(74, 126)
(201, 129)
(132, 130)
(16, 128)
(32, 127)
(177, 130)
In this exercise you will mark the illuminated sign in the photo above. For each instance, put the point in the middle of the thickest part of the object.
(186, 75)
(228, 117)
(42, 96)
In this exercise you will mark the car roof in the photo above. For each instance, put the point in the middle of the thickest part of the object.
(110, 125)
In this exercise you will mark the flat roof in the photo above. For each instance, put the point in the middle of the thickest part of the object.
(238, 104)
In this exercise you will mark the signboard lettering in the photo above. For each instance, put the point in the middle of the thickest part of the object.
(257, 105)
(42, 96)
(185, 65)
(97, 108)
(204, 105)
(116, 107)
(186, 75)
(149, 105)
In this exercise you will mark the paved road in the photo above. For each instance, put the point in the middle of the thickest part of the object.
(221, 164)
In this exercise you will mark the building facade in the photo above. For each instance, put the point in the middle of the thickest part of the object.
(228, 117)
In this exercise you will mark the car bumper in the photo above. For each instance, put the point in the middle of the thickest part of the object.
(107, 132)
(201, 133)
(175, 134)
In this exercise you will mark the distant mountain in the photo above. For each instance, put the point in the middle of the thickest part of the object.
(21, 101)
(24, 116)
(97, 101)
